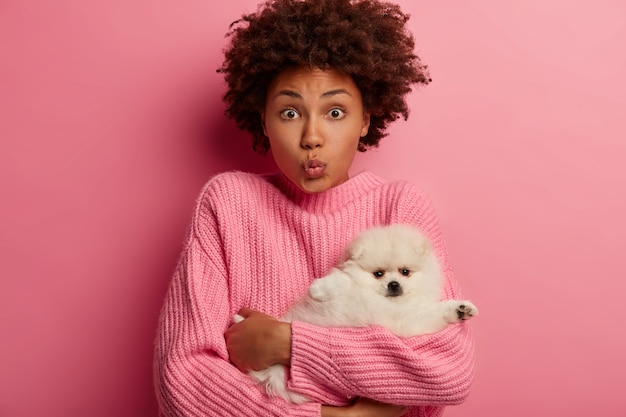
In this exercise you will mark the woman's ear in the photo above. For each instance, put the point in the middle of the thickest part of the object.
(366, 124)
(263, 124)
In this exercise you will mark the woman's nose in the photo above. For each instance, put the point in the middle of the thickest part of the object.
(312, 135)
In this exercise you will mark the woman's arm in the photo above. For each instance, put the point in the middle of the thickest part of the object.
(364, 407)
(371, 362)
(193, 375)
(258, 342)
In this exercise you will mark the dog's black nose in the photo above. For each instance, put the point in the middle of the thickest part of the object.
(393, 286)
(394, 289)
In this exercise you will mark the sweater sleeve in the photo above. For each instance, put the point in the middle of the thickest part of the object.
(331, 364)
(193, 376)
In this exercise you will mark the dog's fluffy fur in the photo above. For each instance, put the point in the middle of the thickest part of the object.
(390, 277)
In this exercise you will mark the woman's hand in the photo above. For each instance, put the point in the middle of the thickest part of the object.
(364, 407)
(258, 342)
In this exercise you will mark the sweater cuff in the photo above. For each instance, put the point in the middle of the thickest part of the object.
(312, 364)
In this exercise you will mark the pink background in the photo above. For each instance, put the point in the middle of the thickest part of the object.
(111, 121)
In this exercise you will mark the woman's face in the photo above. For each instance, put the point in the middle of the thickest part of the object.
(314, 120)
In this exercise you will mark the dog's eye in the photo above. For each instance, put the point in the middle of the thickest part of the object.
(379, 274)
(405, 272)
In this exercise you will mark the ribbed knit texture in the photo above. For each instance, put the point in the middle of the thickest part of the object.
(258, 241)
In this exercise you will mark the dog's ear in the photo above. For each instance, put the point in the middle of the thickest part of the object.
(422, 245)
(355, 250)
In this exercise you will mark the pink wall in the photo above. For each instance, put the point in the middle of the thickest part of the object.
(111, 120)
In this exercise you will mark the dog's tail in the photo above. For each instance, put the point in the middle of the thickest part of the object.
(273, 379)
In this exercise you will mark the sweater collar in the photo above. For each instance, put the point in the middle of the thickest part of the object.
(331, 199)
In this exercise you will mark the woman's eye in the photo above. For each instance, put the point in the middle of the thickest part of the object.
(289, 114)
(336, 113)
(405, 272)
(379, 274)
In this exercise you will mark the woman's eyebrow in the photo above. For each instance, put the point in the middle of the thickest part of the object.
(330, 93)
(335, 92)
(288, 93)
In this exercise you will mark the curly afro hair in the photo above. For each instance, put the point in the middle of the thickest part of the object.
(366, 39)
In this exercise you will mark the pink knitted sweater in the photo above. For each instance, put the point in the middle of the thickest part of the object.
(258, 241)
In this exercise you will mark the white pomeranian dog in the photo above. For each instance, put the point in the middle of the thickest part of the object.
(390, 277)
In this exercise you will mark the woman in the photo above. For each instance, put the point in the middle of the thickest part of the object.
(314, 82)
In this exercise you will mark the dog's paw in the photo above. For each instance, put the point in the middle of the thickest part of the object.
(465, 310)
(318, 290)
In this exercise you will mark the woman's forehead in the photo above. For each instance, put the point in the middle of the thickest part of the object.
(300, 82)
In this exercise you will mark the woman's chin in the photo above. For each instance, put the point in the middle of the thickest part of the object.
(318, 185)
